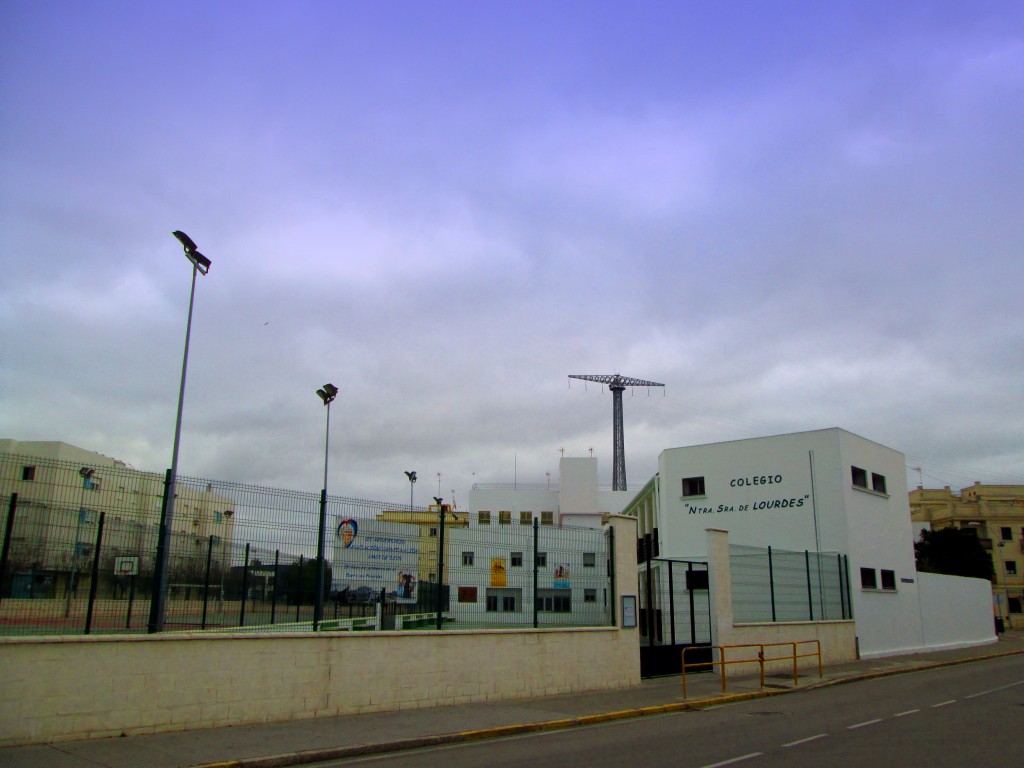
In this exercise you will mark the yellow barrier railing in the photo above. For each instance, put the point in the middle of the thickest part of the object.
(761, 659)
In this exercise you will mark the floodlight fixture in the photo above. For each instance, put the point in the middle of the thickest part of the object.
(328, 393)
(411, 476)
(200, 262)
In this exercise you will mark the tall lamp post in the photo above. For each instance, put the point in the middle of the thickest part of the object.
(412, 482)
(327, 394)
(200, 265)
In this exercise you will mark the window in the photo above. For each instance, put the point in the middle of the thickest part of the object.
(433, 532)
(868, 579)
(467, 558)
(526, 518)
(517, 559)
(693, 486)
(28, 473)
(888, 579)
(467, 594)
(589, 559)
(589, 595)
(1011, 567)
(859, 477)
(1006, 533)
(547, 518)
(542, 559)
(504, 600)
(85, 517)
(1014, 604)
(218, 517)
(696, 580)
(483, 517)
(878, 482)
(555, 600)
(505, 517)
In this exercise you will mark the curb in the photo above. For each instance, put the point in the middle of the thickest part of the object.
(400, 745)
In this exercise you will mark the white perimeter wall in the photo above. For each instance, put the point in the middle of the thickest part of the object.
(955, 611)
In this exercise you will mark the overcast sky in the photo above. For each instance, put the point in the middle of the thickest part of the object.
(795, 215)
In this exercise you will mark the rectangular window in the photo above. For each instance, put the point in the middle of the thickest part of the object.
(467, 594)
(517, 559)
(868, 579)
(505, 517)
(1011, 567)
(1006, 533)
(218, 517)
(696, 580)
(504, 600)
(526, 518)
(589, 559)
(467, 558)
(547, 518)
(28, 473)
(433, 532)
(483, 517)
(589, 595)
(859, 477)
(542, 559)
(878, 482)
(888, 579)
(693, 486)
(1014, 603)
(555, 600)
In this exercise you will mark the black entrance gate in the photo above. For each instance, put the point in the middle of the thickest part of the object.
(675, 613)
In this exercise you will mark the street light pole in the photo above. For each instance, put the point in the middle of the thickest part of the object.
(327, 394)
(412, 481)
(200, 265)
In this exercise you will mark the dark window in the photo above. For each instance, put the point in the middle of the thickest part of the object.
(1011, 567)
(1014, 603)
(878, 482)
(467, 558)
(433, 531)
(859, 477)
(589, 595)
(547, 518)
(888, 579)
(483, 517)
(517, 559)
(505, 517)
(542, 559)
(467, 595)
(526, 518)
(696, 580)
(589, 559)
(28, 473)
(492, 603)
(693, 486)
(504, 600)
(1006, 533)
(555, 600)
(868, 579)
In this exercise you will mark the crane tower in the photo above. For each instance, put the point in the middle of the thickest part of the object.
(617, 384)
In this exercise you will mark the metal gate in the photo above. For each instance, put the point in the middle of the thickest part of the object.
(675, 613)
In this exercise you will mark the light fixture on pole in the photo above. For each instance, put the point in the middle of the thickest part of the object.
(327, 394)
(200, 265)
(412, 482)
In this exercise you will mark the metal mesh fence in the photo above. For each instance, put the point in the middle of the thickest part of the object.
(80, 542)
(675, 604)
(772, 585)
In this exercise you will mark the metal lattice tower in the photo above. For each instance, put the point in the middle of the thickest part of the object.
(617, 384)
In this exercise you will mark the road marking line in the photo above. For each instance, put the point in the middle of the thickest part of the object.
(804, 741)
(993, 690)
(908, 712)
(944, 703)
(734, 760)
(866, 722)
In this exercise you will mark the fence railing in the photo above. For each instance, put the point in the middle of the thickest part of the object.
(79, 554)
(778, 585)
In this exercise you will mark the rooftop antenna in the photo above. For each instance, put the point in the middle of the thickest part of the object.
(617, 384)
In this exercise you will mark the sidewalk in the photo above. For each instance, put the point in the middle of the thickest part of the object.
(303, 741)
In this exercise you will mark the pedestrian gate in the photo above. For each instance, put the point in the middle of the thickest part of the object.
(675, 613)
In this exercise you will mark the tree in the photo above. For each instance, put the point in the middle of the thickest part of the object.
(954, 552)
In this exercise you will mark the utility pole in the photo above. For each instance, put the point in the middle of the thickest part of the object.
(617, 384)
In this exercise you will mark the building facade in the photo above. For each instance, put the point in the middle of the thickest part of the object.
(995, 514)
(825, 491)
(62, 490)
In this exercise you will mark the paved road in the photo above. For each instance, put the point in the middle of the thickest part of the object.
(971, 715)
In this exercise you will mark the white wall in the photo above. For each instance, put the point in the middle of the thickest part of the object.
(955, 611)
